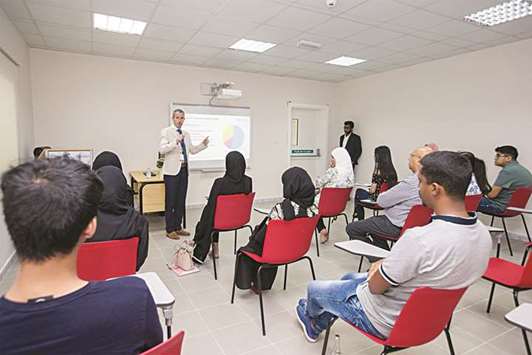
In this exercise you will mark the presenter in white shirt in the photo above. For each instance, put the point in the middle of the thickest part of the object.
(176, 146)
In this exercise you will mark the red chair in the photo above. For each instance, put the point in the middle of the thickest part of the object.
(425, 315)
(105, 260)
(471, 202)
(513, 276)
(519, 199)
(170, 347)
(333, 201)
(232, 213)
(418, 216)
(285, 242)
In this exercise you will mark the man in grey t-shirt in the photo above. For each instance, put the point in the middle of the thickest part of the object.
(512, 176)
(451, 252)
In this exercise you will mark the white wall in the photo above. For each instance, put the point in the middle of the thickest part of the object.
(121, 105)
(13, 44)
(474, 102)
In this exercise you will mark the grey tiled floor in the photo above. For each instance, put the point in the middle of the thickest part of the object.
(214, 326)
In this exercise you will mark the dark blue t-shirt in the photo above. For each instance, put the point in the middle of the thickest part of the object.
(109, 317)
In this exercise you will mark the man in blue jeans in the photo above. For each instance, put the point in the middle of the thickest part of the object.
(449, 253)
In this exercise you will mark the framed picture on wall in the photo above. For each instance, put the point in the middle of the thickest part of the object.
(295, 132)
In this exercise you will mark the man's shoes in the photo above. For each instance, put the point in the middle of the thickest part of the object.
(172, 235)
(311, 335)
(182, 232)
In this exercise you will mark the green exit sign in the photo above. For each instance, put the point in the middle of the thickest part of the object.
(304, 152)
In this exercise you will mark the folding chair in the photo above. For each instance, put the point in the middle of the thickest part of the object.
(333, 201)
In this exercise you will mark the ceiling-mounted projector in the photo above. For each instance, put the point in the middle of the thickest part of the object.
(229, 94)
(221, 91)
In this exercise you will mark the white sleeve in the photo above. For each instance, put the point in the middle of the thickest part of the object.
(166, 146)
(194, 149)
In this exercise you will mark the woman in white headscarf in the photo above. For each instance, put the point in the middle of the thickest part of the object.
(339, 174)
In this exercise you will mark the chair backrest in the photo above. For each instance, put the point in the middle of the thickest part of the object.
(471, 202)
(233, 211)
(519, 199)
(526, 276)
(170, 347)
(104, 260)
(418, 216)
(287, 241)
(384, 187)
(424, 316)
(333, 200)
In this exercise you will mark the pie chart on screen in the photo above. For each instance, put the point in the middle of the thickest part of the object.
(232, 136)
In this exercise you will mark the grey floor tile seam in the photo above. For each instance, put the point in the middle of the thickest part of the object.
(489, 341)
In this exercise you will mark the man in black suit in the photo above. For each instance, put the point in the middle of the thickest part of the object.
(351, 142)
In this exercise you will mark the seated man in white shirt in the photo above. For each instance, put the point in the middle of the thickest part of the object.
(449, 253)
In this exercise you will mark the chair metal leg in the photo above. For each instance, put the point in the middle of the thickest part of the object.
(525, 254)
(237, 259)
(449, 341)
(213, 258)
(317, 242)
(326, 338)
(491, 297)
(516, 299)
(311, 267)
(259, 284)
(526, 228)
(285, 275)
(234, 248)
(346, 220)
(492, 220)
(386, 350)
(507, 237)
(360, 264)
(329, 225)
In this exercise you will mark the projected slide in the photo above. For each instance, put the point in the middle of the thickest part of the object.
(227, 128)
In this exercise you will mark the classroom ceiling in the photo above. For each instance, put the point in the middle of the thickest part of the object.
(389, 34)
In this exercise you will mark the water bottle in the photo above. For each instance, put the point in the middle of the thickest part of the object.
(336, 349)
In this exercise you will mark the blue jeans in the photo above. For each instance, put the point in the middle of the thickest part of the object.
(488, 206)
(328, 300)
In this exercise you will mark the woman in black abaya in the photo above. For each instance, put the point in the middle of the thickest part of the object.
(233, 182)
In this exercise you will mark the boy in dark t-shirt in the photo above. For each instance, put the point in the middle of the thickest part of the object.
(50, 208)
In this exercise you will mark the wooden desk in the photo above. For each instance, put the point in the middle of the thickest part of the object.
(150, 191)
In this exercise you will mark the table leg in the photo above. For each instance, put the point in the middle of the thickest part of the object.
(499, 235)
(168, 314)
(141, 203)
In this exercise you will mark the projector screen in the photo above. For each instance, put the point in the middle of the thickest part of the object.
(228, 128)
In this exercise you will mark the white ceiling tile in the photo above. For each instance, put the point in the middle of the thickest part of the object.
(182, 17)
(212, 6)
(160, 44)
(319, 56)
(419, 20)
(298, 19)
(213, 40)
(417, 3)
(435, 50)
(169, 33)
(458, 42)
(515, 27)
(371, 52)
(269, 60)
(199, 51)
(338, 28)
(231, 27)
(134, 9)
(71, 45)
(482, 36)
(399, 58)
(251, 10)
(252, 67)
(221, 63)
(15, 9)
(277, 70)
(453, 28)
(327, 44)
(460, 8)
(236, 55)
(374, 36)
(112, 50)
(188, 59)
(405, 43)
(26, 27)
(34, 40)
(376, 11)
(286, 51)
(431, 36)
(321, 6)
(371, 65)
(152, 54)
(77, 33)
(61, 16)
(524, 35)
(272, 34)
(501, 41)
(119, 39)
(84, 5)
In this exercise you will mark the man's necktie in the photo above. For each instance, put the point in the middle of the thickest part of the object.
(183, 146)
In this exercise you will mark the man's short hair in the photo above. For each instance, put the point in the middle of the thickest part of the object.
(47, 205)
(508, 150)
(38, 150)
(350, 124)
(177, 110)
(448, 169)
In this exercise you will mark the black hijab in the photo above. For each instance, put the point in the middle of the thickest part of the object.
(105, 159)
(235, 167)
(116, 197)
(298, 188)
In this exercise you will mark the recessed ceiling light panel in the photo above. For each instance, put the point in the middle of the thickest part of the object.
(345, 61)
(118, 24)
(252, 46)
(502, 13)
